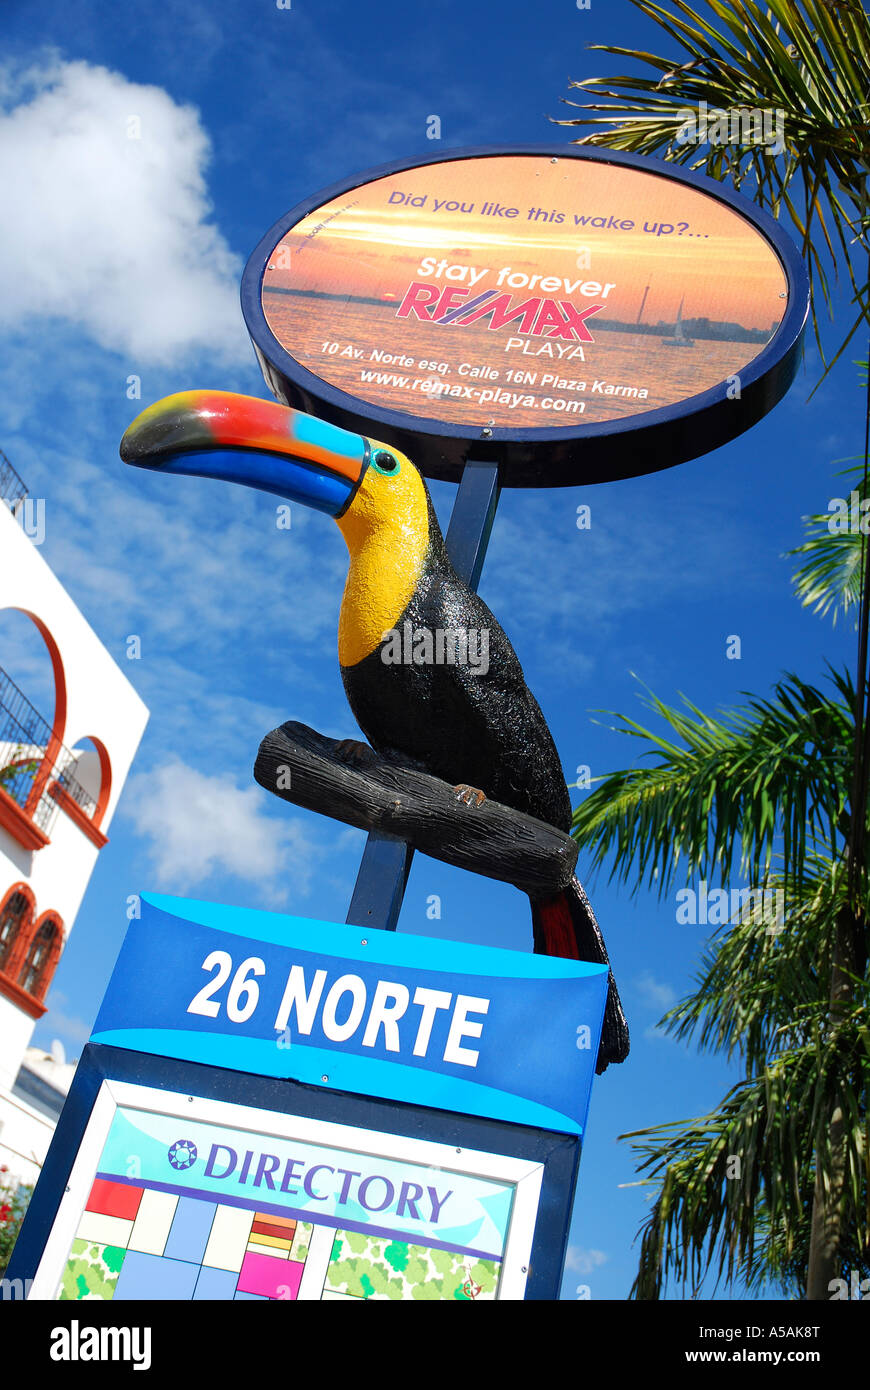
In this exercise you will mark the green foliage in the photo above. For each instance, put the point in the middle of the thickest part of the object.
(764, 788)
(829, 579)
(750, 1218)
(771, 773)
(15, 769)
(14, 1199)
(756, 988)
(809, 60)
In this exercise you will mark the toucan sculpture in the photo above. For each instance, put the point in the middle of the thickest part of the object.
(479, 729)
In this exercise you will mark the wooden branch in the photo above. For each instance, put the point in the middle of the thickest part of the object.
(321, 774)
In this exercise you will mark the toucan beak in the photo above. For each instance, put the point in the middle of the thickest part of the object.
(242, 439)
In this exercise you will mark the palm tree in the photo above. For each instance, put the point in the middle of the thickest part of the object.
(764, 789)
(809, 61)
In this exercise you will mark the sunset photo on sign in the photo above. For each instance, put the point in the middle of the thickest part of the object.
(523, 291)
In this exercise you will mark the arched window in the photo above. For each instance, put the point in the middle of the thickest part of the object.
(83, 786)
(16, 916)
(42, 956)
(30, 741)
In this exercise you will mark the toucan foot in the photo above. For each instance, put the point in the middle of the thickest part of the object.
(470, 795)
(350, 750)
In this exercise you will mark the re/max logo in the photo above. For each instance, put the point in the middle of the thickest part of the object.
(536, 316)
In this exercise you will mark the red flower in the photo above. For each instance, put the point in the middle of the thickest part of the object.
(5, 1213)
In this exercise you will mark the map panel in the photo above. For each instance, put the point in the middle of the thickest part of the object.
(195, 1210)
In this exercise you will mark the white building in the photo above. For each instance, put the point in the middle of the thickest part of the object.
(57, 800)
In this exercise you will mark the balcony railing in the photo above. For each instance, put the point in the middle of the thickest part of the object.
(12, 489)
(24, 738)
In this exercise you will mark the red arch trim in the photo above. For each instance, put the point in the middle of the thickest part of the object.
(58, 725)
(89, 825)
(24, 888)
(57, 945)
(9, 984)
(105, 778)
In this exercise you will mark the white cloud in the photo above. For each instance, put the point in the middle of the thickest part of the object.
(199, 824)
(583, 1261)
(658, 993)
(61, 1023)
(110, 232)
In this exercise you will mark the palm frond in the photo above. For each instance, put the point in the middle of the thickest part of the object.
(755, 1155)
(759, 975)
(829, 580)
(797, 59)
(729, 790)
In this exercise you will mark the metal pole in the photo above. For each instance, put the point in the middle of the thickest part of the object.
(386, 862)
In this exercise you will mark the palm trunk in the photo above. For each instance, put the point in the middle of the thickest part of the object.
(829, 1198)
(850, 947)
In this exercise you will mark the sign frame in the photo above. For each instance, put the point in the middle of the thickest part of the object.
(557, 1155)
(557, 456)
(523, 1176)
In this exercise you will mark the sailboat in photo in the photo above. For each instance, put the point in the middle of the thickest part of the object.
(681, 337)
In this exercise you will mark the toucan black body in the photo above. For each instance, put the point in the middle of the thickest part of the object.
(465, 722)
(471, 722)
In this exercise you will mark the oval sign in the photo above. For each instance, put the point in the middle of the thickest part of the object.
(577, 315)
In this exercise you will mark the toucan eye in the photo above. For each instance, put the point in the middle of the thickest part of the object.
(385, 463)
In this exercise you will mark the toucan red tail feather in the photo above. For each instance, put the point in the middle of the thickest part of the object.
(565, 926)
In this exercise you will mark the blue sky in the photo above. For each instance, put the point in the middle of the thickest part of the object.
(122, 257)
